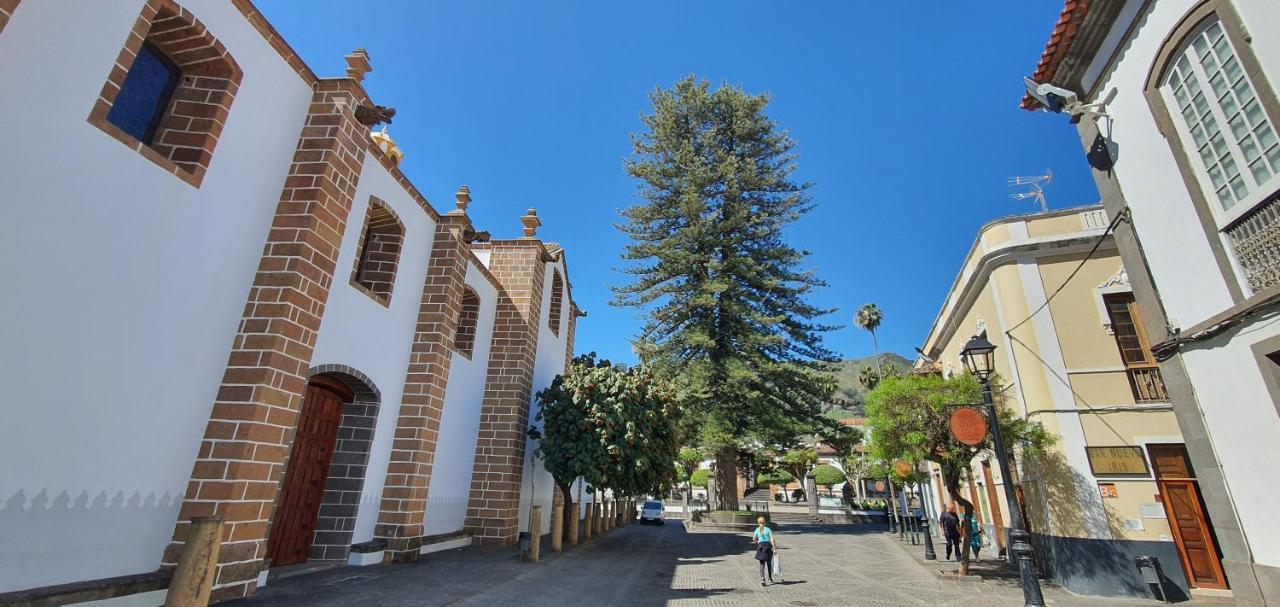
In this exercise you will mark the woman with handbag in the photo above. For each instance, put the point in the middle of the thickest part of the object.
(763, 539)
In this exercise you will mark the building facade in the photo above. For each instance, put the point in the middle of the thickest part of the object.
(1188, 149)
(225, 298)
(1050, 291)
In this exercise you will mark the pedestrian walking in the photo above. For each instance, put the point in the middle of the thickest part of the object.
(975, 536)
(763, 539)
(950, 524)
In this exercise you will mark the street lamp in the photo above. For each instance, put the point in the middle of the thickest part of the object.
(979, 358)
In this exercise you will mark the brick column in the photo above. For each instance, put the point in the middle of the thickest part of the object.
(493, 506)
(404, 495)
(241, 461)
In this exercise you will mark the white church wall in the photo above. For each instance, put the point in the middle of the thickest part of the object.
(549, 361)
(126, 285)
(363, 334)
(460, 422)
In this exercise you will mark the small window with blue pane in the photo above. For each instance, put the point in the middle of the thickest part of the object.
(144, 97)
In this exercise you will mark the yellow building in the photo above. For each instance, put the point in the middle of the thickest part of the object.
(1079, 364)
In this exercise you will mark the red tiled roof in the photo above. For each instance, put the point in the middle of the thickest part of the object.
(1064, 32)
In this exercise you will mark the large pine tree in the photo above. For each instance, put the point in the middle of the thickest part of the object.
(724, 295)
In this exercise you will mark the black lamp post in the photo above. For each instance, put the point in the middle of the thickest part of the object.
(979, 359)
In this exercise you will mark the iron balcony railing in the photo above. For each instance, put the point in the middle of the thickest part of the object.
(1148, 386)
(1256, 242)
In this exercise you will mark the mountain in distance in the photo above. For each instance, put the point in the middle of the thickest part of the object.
(850, 393)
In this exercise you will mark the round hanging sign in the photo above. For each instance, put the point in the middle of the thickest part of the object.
(968, 425)
(902, 467)
(879, 486)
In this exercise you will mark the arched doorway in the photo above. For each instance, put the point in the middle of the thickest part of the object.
(308, 469)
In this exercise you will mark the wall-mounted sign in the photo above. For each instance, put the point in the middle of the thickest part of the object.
(1127, 461)
(1108, 490)
(902, 467)
(1151, 510)
(968, 425)
(880, 486)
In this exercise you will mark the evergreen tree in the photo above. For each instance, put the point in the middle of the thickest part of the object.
(724, 294)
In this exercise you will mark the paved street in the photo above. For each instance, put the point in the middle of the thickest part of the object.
(638, 565)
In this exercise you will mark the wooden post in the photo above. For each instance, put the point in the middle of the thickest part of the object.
(608, 515)
(535, 533)
(599, 518)
(589, 519)
(193, 579)
(557, 526)
(574, 519)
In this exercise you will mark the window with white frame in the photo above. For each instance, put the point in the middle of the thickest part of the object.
(1236, 149)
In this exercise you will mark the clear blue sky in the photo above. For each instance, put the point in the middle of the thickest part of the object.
(905, 113)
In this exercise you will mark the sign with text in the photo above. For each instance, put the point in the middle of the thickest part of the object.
(1108, 490)
(1127, 461)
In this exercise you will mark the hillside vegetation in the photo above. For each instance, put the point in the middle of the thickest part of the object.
(849, 391)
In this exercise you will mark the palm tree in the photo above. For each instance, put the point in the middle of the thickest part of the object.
(868, 377)
(869, 317)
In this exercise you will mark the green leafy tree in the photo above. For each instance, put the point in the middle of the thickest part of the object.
(774, 477)
(869, 317)
(613, 427)
(699, 477)
(725, 296)
(910, 420)
(687, 460)
(798, 461)
(827, 476)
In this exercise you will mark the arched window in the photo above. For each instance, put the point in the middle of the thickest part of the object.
(464, 339)
(379, 252)
(1216, 107)
(557, 299)
(170, 91)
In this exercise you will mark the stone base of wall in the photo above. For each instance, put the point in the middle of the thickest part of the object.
(1105, 567)
(1253, 584)
(105, 589)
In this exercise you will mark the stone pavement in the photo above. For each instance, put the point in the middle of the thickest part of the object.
(825, 565)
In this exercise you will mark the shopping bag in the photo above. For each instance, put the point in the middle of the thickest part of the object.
(777, 564)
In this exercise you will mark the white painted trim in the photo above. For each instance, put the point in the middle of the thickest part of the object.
(141, 599)
(1008, 343)
(1119, 283)
(360, 559)
(1070, 428)
(461, 542)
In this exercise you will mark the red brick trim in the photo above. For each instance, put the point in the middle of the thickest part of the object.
(464, 339)
(243, 456)
(189, 131)
(6, 11)
(374, 270)
(404, 494)
(494, 500)
(273, 37)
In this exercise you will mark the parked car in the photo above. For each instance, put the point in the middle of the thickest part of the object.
(651, 512)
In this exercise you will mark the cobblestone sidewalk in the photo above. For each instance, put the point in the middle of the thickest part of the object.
(856, 566)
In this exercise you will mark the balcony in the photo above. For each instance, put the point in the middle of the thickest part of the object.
(1148, 386)
(1256, 242)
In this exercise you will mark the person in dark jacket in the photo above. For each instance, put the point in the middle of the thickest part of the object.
(950, 524)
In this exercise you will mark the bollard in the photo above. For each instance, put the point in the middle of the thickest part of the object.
(535, 533)
(596, 518)
(193, 579)
(610, 506)
(588, 519)
(557, 526)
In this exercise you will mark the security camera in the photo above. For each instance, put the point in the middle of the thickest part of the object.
(1053, 98)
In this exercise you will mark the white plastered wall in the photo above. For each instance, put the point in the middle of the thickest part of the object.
(460, 423)
(124, 288)
(1239, 413)
(538, 486)
(1240, 416)
(363, 334)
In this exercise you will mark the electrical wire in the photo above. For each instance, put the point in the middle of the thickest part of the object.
(1098, 243)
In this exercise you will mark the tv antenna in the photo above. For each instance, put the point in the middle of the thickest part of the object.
(1036, 184)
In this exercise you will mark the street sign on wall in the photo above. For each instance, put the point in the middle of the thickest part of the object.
(968, 425)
